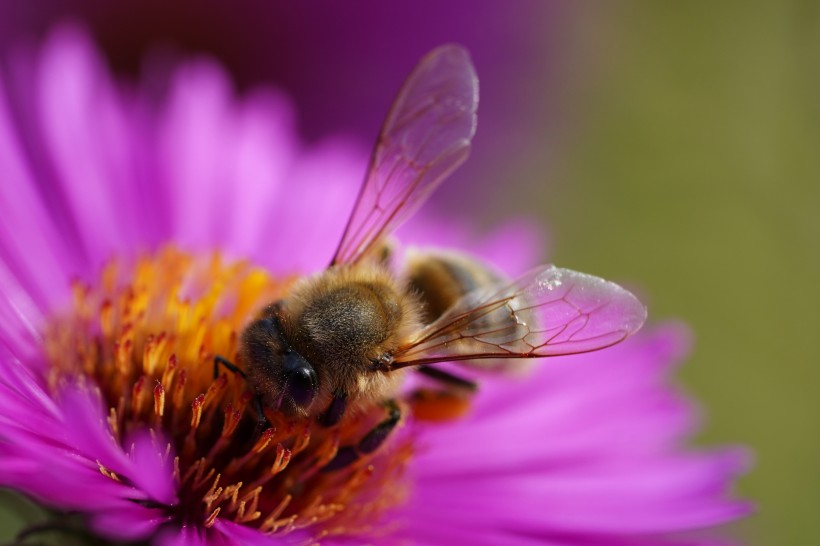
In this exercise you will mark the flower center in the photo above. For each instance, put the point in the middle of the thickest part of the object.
(146, 337)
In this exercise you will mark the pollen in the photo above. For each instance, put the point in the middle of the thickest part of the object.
(145, 335)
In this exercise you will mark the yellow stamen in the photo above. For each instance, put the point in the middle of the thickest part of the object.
(159, 403)
(146, 337)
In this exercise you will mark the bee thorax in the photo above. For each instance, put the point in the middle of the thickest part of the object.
(344, 320)
(351, 323)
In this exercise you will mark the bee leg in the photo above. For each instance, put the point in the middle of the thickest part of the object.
(228, 364)
(448, 379)
(347, 455)
(437, 404)
(380, 432)
(334, 412)
(262, 422)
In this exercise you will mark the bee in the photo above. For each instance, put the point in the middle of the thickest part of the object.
(344, 338)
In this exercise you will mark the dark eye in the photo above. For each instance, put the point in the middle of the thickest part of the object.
(301, 383)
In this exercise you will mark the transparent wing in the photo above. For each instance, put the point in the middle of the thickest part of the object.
(425, 137)
(549, 311)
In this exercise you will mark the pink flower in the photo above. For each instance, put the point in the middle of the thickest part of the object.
(107, 409)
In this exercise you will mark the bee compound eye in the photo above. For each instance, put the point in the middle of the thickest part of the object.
(301, 386)
(301, 383)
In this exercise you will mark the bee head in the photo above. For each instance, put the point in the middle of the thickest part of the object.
(282, 375)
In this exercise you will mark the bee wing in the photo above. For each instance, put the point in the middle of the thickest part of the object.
(549, 311)
(425, 137)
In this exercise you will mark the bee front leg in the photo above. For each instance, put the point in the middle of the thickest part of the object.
(262, 422)
(334, 412)
(379, 434)
(347, 455)
(228, 364)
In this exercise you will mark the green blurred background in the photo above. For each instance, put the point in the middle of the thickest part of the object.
(695, 167)
(683, 156)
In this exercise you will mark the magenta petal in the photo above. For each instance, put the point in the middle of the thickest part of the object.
(87, 430)
(240, 535)
(513, 247)
(34, 255)
(129, 521)
(586, 448)
(198, 125)
(52, 474)
(151, 469)
(84, 135)
(188, 535)
(306, 226)
(263, 152)
(444, 533)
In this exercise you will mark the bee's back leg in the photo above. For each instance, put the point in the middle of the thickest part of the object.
(449, 380)
(449, 400)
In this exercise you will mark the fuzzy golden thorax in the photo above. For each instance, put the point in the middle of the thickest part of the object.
(340, 321)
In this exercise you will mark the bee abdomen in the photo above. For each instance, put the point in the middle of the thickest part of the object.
(440, 279)
(443, 282)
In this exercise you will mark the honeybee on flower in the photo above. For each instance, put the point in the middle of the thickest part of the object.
(110, 411)
(345, 336)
